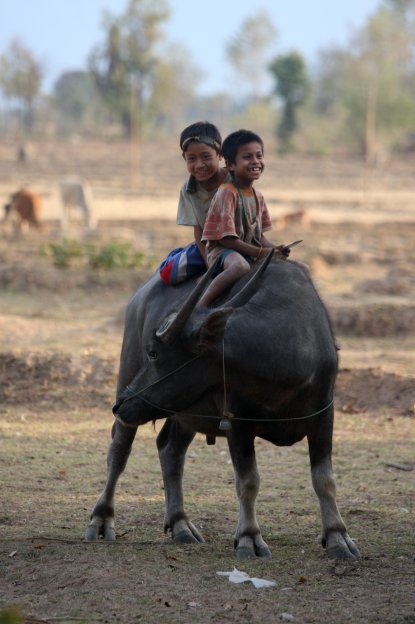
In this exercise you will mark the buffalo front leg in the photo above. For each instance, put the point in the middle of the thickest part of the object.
(248, 539)
(334, 534)
(102, 517)
(172, 444)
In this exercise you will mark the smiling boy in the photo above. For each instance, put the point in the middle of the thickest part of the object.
(238, 215)
(200, 144)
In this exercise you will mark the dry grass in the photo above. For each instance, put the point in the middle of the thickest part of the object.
(60, 335)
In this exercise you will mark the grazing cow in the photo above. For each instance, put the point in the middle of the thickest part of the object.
(76, 193)
(25, 207)
(262, 363)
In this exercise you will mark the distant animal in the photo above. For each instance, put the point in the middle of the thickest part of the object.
(77, 194)
(21, 154)
(25, 207)
(262, 363)
(300, 217)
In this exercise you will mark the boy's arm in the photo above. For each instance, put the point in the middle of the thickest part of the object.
(185, 212)
(232, 242)
(265, 242)
(280, 250)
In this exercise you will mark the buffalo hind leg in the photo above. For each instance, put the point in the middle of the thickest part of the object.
(334, 537)
(248, 539)
(172, 443)
(102, 517)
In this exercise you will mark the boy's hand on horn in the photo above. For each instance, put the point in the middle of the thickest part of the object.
(282, 251)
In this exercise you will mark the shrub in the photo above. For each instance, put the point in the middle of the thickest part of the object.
(63, 253)
(111, 255)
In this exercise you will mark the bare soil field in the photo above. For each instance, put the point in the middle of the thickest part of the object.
(60, 338)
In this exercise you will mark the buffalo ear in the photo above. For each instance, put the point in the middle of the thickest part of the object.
(210, 331)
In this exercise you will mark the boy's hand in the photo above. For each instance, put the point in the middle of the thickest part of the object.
(282, 251)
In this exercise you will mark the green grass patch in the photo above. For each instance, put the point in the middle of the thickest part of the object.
(110, 255)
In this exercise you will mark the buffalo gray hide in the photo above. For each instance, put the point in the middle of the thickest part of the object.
(280, 365)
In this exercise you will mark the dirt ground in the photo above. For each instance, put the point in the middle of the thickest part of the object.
(60, 336)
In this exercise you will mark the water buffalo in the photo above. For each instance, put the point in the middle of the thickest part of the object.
(262, 362)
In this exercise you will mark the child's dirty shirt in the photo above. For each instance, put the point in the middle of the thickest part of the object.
(194, 202)
(230, 216)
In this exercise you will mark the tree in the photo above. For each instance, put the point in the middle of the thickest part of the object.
(377, 95)
(329, 78)
(292, 87)
(124, 66)
(248, 51)
(76, 101)
(173, 91)
(371, 82)
(20, 79)
(405, 8)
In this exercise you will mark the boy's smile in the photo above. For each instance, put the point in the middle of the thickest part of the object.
(202, 162)
(249, 164)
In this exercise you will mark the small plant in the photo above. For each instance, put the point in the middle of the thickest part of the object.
(115, 255)
(139, 260)
(11, 615)
(63, 253)
(110, 256)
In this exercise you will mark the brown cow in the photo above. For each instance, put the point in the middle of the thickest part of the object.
(26, 207)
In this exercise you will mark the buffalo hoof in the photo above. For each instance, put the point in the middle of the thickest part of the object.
(100, 528)
(248, 548)
(185, 537)
(263, 551)
(342, 547)
(185, 532)
(245, 553)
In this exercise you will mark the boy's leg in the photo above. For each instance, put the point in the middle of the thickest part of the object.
(234, 267)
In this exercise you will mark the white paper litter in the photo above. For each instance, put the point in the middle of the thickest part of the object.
(236, 576)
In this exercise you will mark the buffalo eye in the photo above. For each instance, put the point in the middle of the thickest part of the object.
(153, 355)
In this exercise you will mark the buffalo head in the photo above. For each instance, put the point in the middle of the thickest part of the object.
(181, 358)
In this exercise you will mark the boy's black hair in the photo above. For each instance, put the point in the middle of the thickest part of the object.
(202, 132)
(234, 141)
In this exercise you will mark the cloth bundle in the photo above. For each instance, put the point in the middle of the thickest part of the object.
(182, 263)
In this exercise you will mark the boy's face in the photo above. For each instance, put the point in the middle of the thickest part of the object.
(202, 161)
(249, 163)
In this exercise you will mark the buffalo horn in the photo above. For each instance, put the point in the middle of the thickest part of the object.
(246, 292)
(175, 322)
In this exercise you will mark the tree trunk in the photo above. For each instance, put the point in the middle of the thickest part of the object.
(370, 128)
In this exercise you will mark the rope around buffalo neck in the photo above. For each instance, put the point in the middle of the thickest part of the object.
(215, 417)
(166, 376)
(227, 416)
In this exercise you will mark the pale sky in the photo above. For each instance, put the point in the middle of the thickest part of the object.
(62, 33)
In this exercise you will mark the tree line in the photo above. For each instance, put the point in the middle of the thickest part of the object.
(357, 98)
